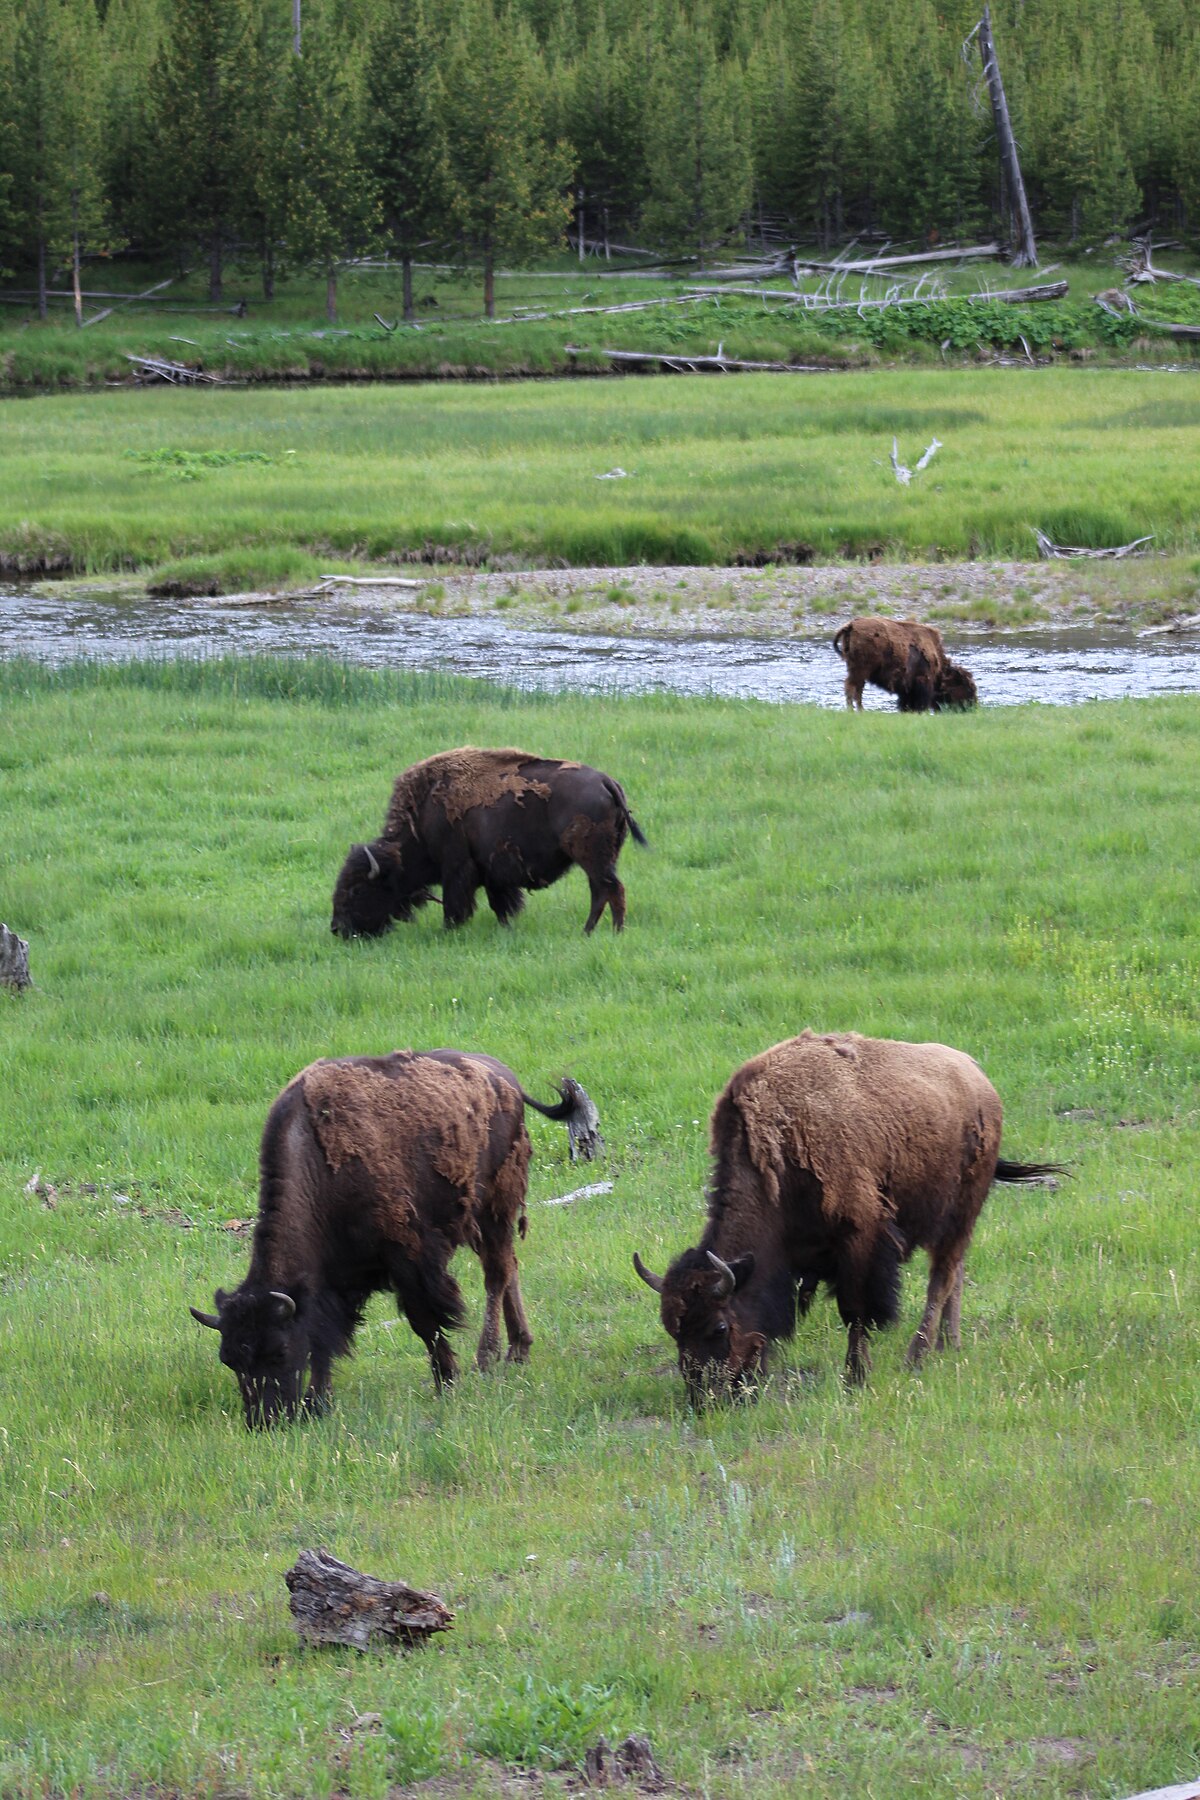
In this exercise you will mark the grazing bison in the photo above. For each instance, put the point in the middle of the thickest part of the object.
(498, 819)
(373, 1170)
(834, 1158)
(906, 659)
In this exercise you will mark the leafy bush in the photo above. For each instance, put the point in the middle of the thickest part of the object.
(543, 1725)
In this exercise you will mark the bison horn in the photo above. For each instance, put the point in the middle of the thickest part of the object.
(209, 1319)
(651, 1281)
(286, 1302)
(728, 1279)
(372, 863)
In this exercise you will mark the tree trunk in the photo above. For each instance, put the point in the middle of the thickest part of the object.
(331, 293)
(214, 266)
(75, 283)
(268, 268)
(1026, 253)
(43, 302)
(489, 283)
(406, 281)
(14, 961)
(334, 1604)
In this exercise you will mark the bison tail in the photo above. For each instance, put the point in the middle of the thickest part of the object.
(838, 640)
(635, 830)
(1031, 1174)
(574, 1102)
(617, 795)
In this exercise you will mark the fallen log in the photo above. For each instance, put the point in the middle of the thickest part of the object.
(686, 364)
(1047, 290)
(401, 581)
(332, 1603)
(14, 961)
(157, 368)
(1048, 549)
(967, 253)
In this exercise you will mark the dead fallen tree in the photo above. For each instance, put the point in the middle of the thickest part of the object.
(157, 368)
(679, 363)
(967, 253)
(816, 303)
(334, 1604)
(1117, 302)
(1047, 549)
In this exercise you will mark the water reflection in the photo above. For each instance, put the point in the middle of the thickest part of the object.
(1059, 667)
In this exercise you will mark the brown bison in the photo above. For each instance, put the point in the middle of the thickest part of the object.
(906, 659)
(498, 819)
(373, 1170)
(834, 1158)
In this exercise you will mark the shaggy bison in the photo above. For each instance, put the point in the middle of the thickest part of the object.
(834, 1158)
(373, 1170)
(498, 819)
(906, 659)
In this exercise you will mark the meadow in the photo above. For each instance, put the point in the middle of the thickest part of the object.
(251, 487)
(972, 1582)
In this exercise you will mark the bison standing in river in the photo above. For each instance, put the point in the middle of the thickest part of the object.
(834, 1158)
(906, 659)
(502, 820)
(373, 1170)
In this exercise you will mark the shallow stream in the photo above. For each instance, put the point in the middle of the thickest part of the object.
(1056, 666)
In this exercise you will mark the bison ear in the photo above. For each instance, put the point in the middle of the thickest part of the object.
(651, 1281)
(209, 1319)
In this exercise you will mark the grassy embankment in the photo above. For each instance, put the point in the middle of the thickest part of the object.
(973, 1581)
(253, 487)
(287, 339)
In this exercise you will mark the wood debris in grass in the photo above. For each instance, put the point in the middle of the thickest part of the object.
(157, 368)
(901, 470)
(581, 1193)
(14, 961)
(332, 1603)
(1047, 549)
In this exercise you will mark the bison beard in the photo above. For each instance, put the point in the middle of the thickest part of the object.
(373, 1170)
(834, 1158)
(500, 820)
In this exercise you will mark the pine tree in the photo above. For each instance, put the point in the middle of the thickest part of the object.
(508, 185)
(404, 142)
(326, 197)
(697, 150)
(202, 104)
(604, 119)
(9, 222)
(58, 126)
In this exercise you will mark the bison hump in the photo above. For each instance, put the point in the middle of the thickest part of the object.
(459, 781)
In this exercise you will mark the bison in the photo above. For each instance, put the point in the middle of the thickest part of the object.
(906, 659)
(833, 1158)
(502, 820)
(373, 1170)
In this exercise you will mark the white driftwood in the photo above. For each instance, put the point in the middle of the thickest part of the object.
(583, 1193)
(334, 1604)
(685, 363)
(966, 254)
(1048, 549)
(903, 474)
(157, 368)
(399, 581)
(14, 961)
(1190, 623)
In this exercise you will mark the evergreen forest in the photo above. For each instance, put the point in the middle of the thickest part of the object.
(292, 135)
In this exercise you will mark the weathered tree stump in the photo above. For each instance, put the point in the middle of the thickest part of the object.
(334, 1604)
(633, 1761)
(14, 960)
(583, 1126)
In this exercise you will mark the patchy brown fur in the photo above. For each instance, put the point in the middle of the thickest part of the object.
(374, 1170)
(835, 1157)
(904, 658)
(502, 820)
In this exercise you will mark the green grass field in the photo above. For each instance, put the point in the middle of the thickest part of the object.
(266, 486)
(975, 1582)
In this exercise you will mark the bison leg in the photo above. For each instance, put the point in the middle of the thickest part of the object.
(606, 891)
(503, 1291)
(858, 1354)
(854, 692)
(459, 887)
(515, 1323)
(945, 1292)
(505, 902)
(320, 1385)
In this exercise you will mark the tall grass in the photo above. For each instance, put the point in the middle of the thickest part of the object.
(715, 471)
(968, 1582)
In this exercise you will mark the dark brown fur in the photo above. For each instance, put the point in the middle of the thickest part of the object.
(904, 658)
(373, 1170)
(498, 819)
(834, 1158)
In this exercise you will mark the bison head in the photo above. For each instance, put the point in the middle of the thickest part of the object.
(955, 687)
(364, 899)
(265, 1342)
(718, 1352)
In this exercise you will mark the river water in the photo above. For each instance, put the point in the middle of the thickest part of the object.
(1057, 667)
